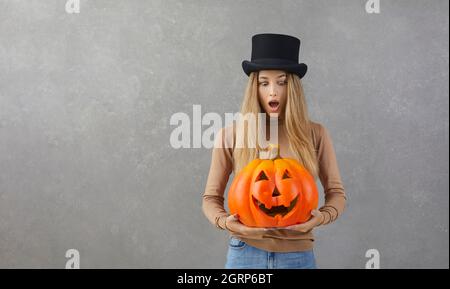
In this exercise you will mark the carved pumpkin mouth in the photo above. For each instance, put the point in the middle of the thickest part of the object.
(275, 210)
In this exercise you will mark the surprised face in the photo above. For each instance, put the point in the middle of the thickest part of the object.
(272, 92)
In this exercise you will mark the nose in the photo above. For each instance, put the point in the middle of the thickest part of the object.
(272, 91)
(275, 192)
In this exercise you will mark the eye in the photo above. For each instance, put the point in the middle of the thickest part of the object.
(286, 175)
(282, 83)
(263, 83)
(261, 176)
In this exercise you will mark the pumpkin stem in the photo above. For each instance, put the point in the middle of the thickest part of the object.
(269, 149)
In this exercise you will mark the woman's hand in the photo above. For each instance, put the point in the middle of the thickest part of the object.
(233, 225)
(316, 220)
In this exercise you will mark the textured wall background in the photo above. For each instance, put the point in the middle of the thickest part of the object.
(86, 99)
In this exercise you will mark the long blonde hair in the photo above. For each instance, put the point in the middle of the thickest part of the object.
(297, 123)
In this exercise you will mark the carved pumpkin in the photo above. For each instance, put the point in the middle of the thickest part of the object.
(273, 193)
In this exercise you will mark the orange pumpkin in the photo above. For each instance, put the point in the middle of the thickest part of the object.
(273, 193)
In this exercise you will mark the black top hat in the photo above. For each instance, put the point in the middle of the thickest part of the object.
(275, 51)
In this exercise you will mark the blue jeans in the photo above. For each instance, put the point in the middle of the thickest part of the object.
(243, 256)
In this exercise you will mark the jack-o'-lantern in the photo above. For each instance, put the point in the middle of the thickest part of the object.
(275, 192)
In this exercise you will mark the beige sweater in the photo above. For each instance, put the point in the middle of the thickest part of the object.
(275, 240)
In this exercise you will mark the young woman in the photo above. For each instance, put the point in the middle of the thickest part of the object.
(275, 87)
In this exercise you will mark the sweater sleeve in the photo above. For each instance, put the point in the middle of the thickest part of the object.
(335, 197)
(220, 169)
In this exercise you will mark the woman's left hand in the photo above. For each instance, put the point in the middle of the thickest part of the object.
(316, 219)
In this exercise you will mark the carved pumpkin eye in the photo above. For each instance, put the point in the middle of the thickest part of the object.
(286, 175)
(261, 176)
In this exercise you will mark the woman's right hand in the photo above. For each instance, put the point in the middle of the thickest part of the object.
(233, 225)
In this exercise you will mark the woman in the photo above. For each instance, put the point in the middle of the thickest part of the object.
(274, 87)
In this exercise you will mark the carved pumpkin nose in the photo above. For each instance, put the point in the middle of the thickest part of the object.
(275, 192)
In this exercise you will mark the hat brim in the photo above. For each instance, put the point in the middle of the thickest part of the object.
(296, 68)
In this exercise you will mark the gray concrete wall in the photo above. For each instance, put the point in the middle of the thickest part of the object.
(86, 99)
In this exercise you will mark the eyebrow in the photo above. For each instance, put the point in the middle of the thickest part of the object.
(264, 77)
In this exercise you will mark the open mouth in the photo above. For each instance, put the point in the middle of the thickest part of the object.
(275, 210)
(274, 105)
